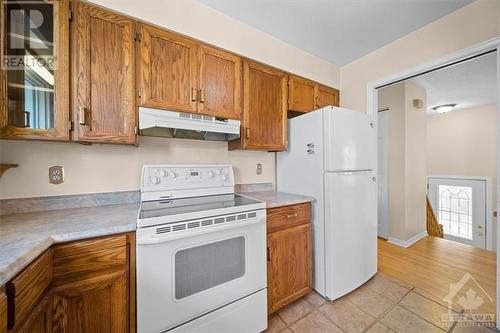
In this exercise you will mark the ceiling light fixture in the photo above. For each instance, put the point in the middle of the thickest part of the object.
(444, 108)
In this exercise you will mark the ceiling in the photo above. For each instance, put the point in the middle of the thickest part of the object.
(469, 85)
(339, 31)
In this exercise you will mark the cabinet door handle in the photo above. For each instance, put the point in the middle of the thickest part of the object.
(289, 216)
(268, 254)
(202, 95)
(81, 115)
(193, 95)
(247, 133)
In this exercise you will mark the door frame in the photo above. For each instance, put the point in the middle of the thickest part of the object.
(386, 227)
(372, 108)
(488, 203)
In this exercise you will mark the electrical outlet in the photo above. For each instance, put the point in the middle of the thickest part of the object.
(56, 174)
(259, 168)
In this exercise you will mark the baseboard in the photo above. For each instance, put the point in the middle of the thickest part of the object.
(409, 242)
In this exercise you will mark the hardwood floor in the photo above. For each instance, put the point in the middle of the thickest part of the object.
(433, 264)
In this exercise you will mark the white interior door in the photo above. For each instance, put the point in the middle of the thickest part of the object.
(383, 174)
(460, 206)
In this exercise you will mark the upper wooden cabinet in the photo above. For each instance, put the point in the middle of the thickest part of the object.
(34, 80)
(306, 95)
(167, 70)
(301, 94)
(220, 83)
(179, 74)
(105, 107)
(264, 109)
(327, 96)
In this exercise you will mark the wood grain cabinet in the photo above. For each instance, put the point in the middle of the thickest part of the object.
(80, 286)
(167, 70)
(40, 318)
(264, 125)
(306, 95)
(220, 83)
(91, 286)
(180, 74)
(3, 310)
(105, 109)
(34, 78)
(289, 255)
(302, 94)
(327, 96)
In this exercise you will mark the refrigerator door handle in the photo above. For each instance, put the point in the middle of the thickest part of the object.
(350, 172)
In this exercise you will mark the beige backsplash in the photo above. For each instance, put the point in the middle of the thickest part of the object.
(109, 168)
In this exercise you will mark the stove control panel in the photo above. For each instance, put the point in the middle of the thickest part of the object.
(186, 177)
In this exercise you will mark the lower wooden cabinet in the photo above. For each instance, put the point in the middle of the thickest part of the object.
(91, 284)
(40, 318)
(289, 256)
(97, 303)
(3, 310)
(81, 286)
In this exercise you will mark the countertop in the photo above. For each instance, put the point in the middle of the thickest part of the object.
(24, 236)
(275, 199)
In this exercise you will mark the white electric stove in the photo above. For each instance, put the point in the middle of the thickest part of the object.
(201, 252)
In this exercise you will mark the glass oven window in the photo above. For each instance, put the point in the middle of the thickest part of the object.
(206, 266)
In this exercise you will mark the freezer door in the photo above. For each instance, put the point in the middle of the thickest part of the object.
(350, 140)
(350, 231)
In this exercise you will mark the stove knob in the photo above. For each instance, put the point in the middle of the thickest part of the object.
(224, 177)
(164, 173)
(217, 172)
(210, 174)
(173, 174)
(155, 180)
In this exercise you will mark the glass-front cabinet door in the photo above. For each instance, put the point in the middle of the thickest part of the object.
(35, 69)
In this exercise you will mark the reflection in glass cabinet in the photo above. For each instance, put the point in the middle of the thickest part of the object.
(32, 34)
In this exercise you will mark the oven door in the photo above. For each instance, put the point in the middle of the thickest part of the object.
(186, 273)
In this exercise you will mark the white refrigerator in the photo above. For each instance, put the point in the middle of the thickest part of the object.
(332, 157)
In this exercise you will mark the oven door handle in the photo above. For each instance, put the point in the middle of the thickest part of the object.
(148, 237)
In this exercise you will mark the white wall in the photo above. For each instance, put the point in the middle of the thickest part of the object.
(464, 143)
(199, 21)
(407, 169)
(107, 168)
(468, 26)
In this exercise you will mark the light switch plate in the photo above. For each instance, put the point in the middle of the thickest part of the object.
(56, 174)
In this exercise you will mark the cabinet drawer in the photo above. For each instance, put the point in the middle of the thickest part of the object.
(288, 216)
(25, 289)
(82, 257)
(3, 311)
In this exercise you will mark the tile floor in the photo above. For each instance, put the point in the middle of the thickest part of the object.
(382, 305)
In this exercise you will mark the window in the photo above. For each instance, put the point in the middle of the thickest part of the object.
(455, 210)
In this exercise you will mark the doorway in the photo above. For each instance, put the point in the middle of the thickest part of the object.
(492, 46)
(460, 205)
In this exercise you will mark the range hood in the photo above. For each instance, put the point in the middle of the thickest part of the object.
(171, 124)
